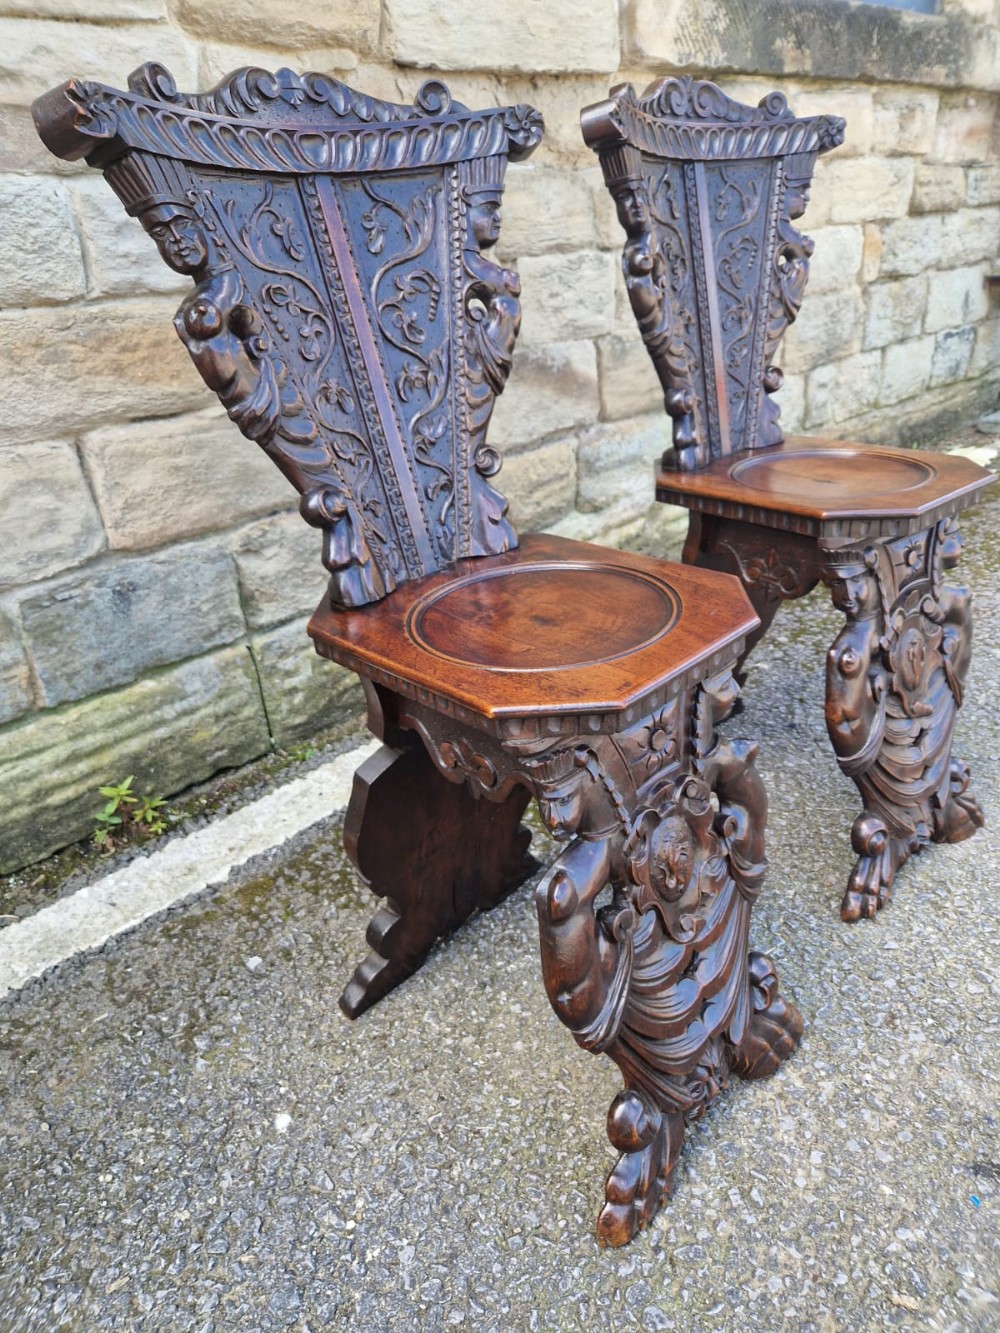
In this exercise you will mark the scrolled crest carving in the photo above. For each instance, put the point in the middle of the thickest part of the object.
(707, 190)
(346, 310)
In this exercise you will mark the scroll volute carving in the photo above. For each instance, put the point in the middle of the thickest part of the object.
(346, 310)
(707, 190)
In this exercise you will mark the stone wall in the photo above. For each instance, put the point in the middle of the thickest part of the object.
(154, 581)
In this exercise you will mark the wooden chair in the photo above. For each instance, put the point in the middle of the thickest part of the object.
(348, 315)
(707, 190)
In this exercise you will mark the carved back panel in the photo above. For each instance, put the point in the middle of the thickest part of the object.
(345, 308)
(706, 190)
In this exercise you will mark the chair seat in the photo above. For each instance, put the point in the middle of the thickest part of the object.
(820, 483)
(586, 634)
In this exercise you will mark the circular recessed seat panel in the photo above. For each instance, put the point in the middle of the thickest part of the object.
(544, 617)
(838, 475)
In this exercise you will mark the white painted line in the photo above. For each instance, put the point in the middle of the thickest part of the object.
(184, 867)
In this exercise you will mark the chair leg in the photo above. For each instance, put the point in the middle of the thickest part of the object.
(773, 566)
(894, 681)
(433, 851)
(659, 978)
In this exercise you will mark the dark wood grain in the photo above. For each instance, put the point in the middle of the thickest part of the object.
(708, 191)
(349, 315)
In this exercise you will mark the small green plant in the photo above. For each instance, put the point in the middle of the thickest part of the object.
(126, 815)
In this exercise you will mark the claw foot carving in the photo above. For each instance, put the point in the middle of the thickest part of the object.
(775, 1029)
(650, 1143)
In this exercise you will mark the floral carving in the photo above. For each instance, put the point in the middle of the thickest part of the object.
(728, 179)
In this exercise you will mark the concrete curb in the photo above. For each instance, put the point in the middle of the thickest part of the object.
(184, 868)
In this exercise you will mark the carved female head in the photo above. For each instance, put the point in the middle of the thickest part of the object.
(179, 236)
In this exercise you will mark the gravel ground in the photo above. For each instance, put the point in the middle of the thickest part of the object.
(194, 1139)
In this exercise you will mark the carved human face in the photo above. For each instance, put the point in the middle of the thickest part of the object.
(796, 198)
(633, 210)
(178, 236)
(852, 595)
(484, 220)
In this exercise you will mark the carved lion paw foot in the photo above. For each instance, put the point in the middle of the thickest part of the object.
(650, 1142)
(776, 1026)
(879, 857)
(961, 816)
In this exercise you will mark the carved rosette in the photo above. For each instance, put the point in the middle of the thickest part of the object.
(707, 190)
(895, 675)
(338, 248)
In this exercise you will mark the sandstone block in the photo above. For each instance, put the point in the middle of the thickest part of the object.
(828, 327)
(280, 568)
(541, 484)
(956, 298)
(48, 519)
(986, 353)
(909, 246)
(938, 188)
(23, 152)
(158, 481)
(16, 692)
(610, 235)
(69, 369)
(616, 465)
(116, 620)
(906, 369)
(567, 296)
(952, 355)
(533, 36)
(843, 389)
(216, 60)
(871, 259)
(288, 24)
(964, 131)
(121, 259)
(551, 389)
(895, 311)
(629, 382)
(904, 121)
(89, 11)
(303, 693)
(791, 399)
(560, 101)
(969, 235)
(869, 189)
(40, 257)
(545, 209)
(38, 54)
(854, 103)
(170, 730)
(983, 184)
(836, 261)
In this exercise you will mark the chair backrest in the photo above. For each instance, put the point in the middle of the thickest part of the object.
(706, 190)
(345, 311)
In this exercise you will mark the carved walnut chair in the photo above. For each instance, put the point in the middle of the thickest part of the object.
(707, 190)
(348, 314)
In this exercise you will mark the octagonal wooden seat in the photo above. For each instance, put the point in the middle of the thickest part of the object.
(707, 190)
(348, 314)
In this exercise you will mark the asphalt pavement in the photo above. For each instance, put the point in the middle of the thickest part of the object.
(193, 1138)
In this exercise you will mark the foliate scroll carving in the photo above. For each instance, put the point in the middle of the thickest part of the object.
(895, 675)
(346, 313)
(659, 978)
(284, 122)
(707, 190)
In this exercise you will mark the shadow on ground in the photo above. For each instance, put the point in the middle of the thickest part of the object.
(194, 1139)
